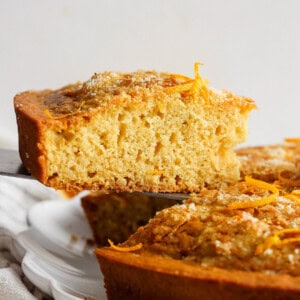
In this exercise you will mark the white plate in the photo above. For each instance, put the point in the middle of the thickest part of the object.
(55, 261)
(64, 224)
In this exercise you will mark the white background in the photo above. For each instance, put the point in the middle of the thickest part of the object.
(251, 47)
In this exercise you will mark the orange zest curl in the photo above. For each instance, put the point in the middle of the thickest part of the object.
(199, 83)
(125, 249)
(180, 77)
(49, 115)
(263, 201)
(180, 88)
(294, 195)
(288, 181)
(192, 86)
(279, 238)
(292, 140)
(281, 188)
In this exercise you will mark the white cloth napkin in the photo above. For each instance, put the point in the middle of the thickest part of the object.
(16, 197)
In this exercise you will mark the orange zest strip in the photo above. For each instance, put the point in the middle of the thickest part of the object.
(263, 201)
(269, 243)
(198, 84)
(277, 240)
(294, 195)
(180, 88)
(181, 77)
(292, 140)
(49, 115)
(125, 249)
(281, 188)
(288, 181)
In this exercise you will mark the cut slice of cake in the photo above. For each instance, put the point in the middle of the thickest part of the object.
(141, 131)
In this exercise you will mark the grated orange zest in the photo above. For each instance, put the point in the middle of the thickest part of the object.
(125, 249)
(277, 240)
(263, 201)
(192, 86)
(49, 115)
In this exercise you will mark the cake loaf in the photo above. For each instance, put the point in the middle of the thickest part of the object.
(140, 131)
(242, 242)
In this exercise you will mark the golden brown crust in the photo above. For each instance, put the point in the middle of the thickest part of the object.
(133, 276)
(30, 136)
(211, 242)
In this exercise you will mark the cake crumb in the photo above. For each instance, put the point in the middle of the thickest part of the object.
(73, 238)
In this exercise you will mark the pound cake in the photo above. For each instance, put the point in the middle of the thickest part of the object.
(140, 131)
(116, 216)
(241, 242)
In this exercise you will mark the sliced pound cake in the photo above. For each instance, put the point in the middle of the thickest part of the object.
(141, 131)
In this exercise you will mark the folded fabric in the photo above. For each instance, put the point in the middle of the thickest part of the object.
(16, 198)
